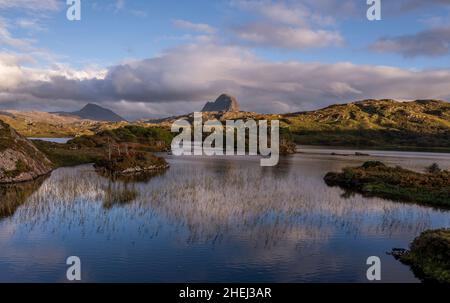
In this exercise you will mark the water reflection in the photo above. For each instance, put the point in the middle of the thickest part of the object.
(12, 196)
(241, 215)
(265, 205)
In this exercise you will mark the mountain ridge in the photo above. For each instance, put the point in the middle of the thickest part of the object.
(371, 123)
(94, 112)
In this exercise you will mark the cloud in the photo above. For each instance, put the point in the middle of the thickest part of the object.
(183, 78)
(7, 39)
(31, 5)
(432, 42)
(10, 72)
(407, 5)
(197, 27)
(287, 37)
(287, 25)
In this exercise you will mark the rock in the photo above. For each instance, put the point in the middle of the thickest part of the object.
(20, 160)
(225, 103)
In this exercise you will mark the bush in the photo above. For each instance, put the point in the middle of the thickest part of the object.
(433, 169)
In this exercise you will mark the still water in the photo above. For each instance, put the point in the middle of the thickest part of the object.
(53, 140)
(210, 220)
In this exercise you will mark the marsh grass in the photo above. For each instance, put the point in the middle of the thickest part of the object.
(211, 203)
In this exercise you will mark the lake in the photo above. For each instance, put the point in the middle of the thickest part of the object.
(53, 140)
(222, 219)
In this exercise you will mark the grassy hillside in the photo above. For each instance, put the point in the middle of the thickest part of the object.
(387, 124)
(47, 125)
(375, 123)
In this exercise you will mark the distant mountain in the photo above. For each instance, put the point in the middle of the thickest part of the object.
(225, 103)
(20, 160)
(96, 113)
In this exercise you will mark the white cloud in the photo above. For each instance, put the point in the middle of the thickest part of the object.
(7, 38)
(197, 27)
(287, 37)
(10, 72)
(182, 79)
(286, 24)
(31, 5)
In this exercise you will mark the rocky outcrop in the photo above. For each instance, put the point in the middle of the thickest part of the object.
(225, 103)
(20, 160)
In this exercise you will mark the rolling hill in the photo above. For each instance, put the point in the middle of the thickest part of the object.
(375, 123)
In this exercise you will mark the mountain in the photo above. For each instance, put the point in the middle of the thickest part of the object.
(20, 160)
(96, 113)
(225, 103)
(372, 123)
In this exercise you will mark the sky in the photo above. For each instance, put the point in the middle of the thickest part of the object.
(147, 59)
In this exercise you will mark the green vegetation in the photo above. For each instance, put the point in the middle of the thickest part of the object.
(422, 125)
(94, 149)
(387, 124)
(378, 180)
(131, 162)
(153, 139)
(429, 256)
(63, 155)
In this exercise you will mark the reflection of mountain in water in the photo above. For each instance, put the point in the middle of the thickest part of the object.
(14, 195)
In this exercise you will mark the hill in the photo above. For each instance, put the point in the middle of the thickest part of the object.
(20, 160)
(96, 113)
(52, 125)
(387, 124)
(423, 124)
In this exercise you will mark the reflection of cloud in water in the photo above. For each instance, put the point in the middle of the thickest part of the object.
(208, 201)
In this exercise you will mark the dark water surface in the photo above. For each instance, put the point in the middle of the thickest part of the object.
(210, 220)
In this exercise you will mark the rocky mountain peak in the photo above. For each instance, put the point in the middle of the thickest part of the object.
(225, 103)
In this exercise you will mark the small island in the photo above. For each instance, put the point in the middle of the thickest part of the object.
(429, 256)
(375, 179)
(131, 163)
